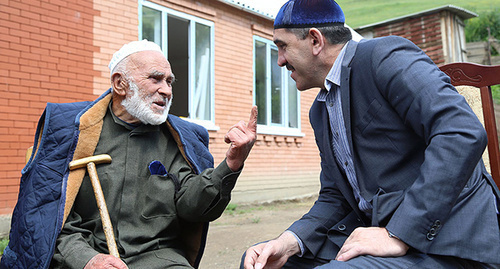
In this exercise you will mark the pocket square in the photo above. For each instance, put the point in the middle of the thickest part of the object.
(157, 168)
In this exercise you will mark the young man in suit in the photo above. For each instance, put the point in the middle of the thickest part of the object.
(402, 181)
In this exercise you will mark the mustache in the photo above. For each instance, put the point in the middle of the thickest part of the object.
(289, 67)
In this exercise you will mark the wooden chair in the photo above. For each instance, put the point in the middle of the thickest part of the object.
(467, 77)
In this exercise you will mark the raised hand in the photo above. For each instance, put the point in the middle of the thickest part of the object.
(241, 136)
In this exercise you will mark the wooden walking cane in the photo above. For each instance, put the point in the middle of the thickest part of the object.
(90, 162)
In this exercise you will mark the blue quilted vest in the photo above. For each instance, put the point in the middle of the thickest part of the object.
(38, 215)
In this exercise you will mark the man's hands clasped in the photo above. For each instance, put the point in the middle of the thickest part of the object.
(373, 241)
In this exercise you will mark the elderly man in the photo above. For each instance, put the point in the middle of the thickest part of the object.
(161, 188)
(402, 181)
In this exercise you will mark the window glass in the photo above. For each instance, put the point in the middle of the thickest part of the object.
(178, 56)
(151, 25)
(275, 93)
(201, 99)
(293, 99)
(188, 44)
(260, 82)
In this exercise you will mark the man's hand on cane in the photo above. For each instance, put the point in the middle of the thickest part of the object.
(104, 261)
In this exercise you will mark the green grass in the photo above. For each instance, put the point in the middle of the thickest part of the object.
(495, 92)
(363, 12)
(231, 207)
(234, 209)
(3, 244)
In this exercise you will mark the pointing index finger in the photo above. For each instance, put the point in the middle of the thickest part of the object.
(252, 123)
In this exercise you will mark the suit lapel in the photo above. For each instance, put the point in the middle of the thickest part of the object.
(345, 96)
(345, 89)
(329, 157)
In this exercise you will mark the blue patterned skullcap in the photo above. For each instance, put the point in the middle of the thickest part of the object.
(309, 13)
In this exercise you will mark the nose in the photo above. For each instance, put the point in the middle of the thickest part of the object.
(165, 89)
(281, 59)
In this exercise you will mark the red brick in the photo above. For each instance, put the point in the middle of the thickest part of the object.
(7, 153)
(11, 10)
(6, 210)
(23, 124)
(58, 3)
(53, 9)
(10, 95)
(8, 196)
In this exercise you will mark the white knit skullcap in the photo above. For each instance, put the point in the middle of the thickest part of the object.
(131, 48)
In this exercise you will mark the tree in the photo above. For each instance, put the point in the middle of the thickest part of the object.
(476, 29)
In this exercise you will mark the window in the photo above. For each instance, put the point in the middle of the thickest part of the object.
(187, 42)
(275, 92)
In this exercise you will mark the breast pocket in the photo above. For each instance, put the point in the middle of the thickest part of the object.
(159, 198)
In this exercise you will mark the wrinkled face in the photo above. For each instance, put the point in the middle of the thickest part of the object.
(147, 108)
(150, 81)
(295, 54)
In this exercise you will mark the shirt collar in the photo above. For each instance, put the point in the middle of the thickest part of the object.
(333, 77)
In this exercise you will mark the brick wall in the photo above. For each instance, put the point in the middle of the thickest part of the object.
(58, 51)
(116, 25)
(46, 55)
(424, 31)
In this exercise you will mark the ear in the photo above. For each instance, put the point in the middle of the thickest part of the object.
(317, 41)
(120, 84)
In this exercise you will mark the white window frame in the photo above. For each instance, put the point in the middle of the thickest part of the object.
(209, 124)
(273, 128)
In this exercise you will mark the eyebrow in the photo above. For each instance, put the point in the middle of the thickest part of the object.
(159, 74)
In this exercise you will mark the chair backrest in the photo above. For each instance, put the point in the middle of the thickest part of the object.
(482, 77)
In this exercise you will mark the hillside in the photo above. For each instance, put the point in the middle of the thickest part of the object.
(363, 12)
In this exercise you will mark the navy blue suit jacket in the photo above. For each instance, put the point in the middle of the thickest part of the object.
(416, 147)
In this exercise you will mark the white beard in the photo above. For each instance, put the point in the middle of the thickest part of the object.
(139, 106)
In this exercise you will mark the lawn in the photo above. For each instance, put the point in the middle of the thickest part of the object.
(3, 244)
(495, 91)
(363, 12)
